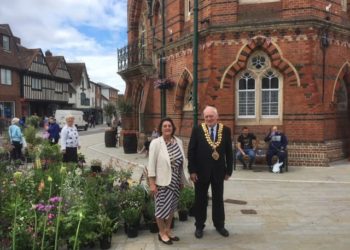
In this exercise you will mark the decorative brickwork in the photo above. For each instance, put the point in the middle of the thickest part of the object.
(314, 106)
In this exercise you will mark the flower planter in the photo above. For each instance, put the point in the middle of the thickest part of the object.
(110, 139)
(132, 231)
(96, 169)
(183, 215)
(106, 241)
(130, 143)
(191, 211)
(153, 227)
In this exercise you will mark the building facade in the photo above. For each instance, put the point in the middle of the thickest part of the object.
(261, 63)
(30, 82)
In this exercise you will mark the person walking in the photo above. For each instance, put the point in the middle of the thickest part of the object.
(16, 138)
(53, 130)
(70, 140)
(166, 174)
(210, 159)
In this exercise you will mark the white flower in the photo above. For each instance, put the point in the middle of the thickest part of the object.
(78, 171)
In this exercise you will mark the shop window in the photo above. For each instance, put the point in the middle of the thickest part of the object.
(7, 110)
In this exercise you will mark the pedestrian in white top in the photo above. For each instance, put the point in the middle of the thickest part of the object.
(70, 140)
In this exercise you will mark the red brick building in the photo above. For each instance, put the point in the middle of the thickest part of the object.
(261, 63)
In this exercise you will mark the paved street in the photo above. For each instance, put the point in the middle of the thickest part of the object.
(306, 208)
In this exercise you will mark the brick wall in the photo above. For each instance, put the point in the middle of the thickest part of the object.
(289, 32)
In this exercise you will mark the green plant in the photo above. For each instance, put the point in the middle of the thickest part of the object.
(186, 199)
(149, 210)
(109, 109)
(124, 106)
(96, 162)
(131, 215)
(106, 225)
(50, 152)
(33, 121)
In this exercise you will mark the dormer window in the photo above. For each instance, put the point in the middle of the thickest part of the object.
(6, 43)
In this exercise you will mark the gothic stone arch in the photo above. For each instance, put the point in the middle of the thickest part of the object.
(184, 80)
(278, 62)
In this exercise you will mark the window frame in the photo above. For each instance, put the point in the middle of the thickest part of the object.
(258, 75)
(188, 10)
(188, 104)
(7, 43)
(36, 84)
(2, 109)
(6, 76)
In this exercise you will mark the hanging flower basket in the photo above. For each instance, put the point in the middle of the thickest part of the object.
(164, 84)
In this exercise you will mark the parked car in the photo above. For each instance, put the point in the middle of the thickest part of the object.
(79, 121)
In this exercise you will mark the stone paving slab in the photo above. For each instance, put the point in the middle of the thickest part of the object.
(306, 208)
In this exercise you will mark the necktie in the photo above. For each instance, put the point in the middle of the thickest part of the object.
(212, 134)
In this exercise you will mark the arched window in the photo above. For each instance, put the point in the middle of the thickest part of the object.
(246, 95)
(188, 98)
(259, 92)
(188, 9)
(344, 5)
(342, 97)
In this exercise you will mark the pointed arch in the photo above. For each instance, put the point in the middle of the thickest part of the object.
(184, 80)
(343, 72)
(274, 52)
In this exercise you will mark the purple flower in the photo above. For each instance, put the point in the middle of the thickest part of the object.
(40, 207)
(49, 208)
(51, 216)
(55, 199)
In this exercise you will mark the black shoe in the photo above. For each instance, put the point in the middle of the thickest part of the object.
(167, 242)
(250, 167)
(198, 233)
(223, 231)
(174, 238)
(244, 166)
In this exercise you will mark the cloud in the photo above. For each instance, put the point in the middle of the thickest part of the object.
(90, 31)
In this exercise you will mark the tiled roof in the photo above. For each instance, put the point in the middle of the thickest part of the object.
(76, 72)
(53, 62)
(9, 58)
(26, 56)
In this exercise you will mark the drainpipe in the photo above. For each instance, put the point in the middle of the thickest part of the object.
(163, 65)
(195, 63)
(324, 46)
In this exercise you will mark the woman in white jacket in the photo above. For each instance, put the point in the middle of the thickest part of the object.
(167, 173)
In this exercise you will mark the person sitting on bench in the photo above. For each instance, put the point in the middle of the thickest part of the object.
(278, 144)
(246, 145)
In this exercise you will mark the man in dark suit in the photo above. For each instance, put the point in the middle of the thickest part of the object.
(210, 159)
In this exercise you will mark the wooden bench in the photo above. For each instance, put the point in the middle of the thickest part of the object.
(260, 155)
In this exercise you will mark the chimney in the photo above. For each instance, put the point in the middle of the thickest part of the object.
(48, 53)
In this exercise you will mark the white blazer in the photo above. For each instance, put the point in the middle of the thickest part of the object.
(159, 162)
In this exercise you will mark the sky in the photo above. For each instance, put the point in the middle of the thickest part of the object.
(87, 31)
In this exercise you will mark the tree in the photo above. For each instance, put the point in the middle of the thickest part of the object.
(109, 109)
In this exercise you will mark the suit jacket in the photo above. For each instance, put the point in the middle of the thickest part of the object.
(200, 160)
(159, 165)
